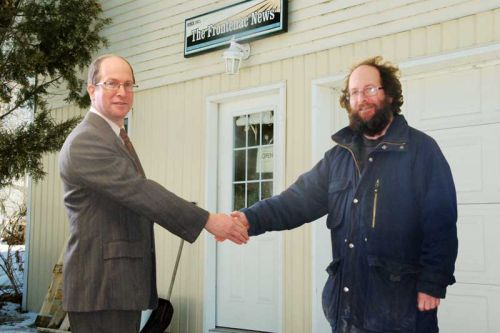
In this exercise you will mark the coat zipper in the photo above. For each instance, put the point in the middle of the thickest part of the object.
(375, 200)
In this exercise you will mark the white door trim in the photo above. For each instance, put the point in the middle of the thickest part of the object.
(321, 109)
(322, 117)
(211, 181)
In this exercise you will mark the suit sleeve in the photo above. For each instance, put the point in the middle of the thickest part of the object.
(304, 201)
(438, 206)
(108, 171)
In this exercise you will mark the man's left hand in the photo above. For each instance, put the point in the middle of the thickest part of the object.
(427, 302)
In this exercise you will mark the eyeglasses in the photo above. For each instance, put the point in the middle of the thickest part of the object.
(114, 85)
(368, 91)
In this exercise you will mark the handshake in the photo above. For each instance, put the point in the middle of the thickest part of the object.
(233, 227)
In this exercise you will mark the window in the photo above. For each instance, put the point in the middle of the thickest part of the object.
(252, 158)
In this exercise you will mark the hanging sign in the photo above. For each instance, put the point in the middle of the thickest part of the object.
(265, 162)
(244, 21)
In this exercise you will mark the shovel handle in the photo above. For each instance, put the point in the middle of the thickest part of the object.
(174, 273)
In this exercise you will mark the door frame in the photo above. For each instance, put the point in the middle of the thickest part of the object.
(323, 115)
(211, 184)
(322, 91)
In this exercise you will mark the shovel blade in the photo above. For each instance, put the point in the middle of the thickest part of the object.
(160, 317)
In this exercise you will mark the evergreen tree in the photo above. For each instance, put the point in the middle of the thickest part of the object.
(43, 44)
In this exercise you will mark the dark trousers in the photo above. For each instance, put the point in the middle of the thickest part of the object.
(112, 321)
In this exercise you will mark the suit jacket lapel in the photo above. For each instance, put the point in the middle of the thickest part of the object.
(110, 136)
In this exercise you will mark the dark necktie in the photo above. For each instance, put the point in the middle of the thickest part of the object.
(131, 150)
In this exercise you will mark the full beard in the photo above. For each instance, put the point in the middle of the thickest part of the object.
(373, 126)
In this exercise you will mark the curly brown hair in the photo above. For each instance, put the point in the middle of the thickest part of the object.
(389, 77)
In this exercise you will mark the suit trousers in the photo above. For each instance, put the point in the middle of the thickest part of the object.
(111, 321)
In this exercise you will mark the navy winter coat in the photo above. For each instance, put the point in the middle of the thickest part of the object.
(393, 228)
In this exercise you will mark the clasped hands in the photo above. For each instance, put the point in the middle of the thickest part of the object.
(233, 227)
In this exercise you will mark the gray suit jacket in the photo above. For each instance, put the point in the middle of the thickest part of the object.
(110, 258)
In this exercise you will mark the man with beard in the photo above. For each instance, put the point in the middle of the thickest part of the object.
(391, 204)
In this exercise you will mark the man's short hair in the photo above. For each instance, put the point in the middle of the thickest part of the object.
(95, 66)
(389, 79)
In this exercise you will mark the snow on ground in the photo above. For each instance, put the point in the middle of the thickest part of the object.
(4, 281)
(11, 320)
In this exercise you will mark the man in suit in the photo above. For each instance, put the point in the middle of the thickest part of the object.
(109, 265)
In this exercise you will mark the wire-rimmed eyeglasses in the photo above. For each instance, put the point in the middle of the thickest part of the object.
(114, 85)
(367, 91)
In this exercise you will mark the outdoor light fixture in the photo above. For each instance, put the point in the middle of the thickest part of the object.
(234, 55)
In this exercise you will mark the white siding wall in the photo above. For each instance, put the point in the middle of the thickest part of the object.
(168, 123)
(150, 33)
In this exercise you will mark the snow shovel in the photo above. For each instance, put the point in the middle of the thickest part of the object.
(162, 316)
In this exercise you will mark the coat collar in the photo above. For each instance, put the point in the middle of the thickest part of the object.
(97, 121)
(105, 131)
(111, 124)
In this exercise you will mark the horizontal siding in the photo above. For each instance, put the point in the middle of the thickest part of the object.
(150, 34)
(168, 124)
(154, 43)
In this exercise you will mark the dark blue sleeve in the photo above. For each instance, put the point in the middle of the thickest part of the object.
(438, 206)
(304, 201)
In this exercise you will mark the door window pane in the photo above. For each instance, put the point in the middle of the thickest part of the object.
(252, 164)
(238, 196)
(267, 134)
(239, 165)
(253, 194)
(240, 131)
(254, 122)
(267, 189)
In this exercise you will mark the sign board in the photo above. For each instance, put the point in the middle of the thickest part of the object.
(244, 21)
(265, 159)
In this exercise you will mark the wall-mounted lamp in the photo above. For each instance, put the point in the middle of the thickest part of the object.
(234, 55)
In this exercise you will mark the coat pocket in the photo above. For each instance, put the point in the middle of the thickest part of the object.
(331, 293)
(122, 249)
(338, 195)
(391, 300)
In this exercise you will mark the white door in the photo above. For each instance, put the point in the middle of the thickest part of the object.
(248, 276)
(459, 106)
